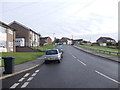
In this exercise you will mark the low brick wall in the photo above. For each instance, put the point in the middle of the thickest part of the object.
(26, 49)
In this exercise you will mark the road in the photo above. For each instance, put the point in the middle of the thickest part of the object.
(77, 70)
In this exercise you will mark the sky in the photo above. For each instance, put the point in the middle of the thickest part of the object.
(82, 19)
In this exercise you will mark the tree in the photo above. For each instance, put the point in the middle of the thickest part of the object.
(56, 40)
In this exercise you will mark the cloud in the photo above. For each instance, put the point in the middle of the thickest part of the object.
(65, 17)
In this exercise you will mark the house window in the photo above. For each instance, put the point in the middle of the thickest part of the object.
(112, 40)
(30, 32)
(108, 40)
(3, 37)
(10, 31)
(30, 37)
(2, 29)
(10, 44)
(3, 44)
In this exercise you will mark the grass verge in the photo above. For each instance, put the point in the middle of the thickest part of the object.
(101, 48)
(45, 47)
(22, 57)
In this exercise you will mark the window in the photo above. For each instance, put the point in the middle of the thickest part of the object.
(30, 37)
(10, 44)
(10, 31)
(30, 32)
(2, 29)
(3, 44)
(51, 52)
(3, 37)
(108, 40)
(112, 41)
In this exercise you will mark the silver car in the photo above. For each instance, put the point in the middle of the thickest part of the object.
(53, 55)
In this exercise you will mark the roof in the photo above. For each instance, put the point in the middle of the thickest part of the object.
(14, 22)
(78, 40)
(6, 26)
(106, 38)
(44, 37)
(65, 38)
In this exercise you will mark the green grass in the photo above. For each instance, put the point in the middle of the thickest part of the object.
(64, 44)
(101, 48)
(45, 47)
(21, 57)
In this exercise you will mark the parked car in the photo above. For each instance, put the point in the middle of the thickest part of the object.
(61, 51)
(53, 55)
(72, 44)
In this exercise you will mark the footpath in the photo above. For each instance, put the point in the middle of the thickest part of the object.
(110, 57)
(22, 67)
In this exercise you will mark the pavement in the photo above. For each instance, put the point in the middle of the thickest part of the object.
(22, 67)
(35, 63)
(110, 57)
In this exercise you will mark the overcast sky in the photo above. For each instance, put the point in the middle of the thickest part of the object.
(84, 19)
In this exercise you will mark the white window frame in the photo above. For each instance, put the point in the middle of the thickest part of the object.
(10, 31)
(10, 44)
(2, 29)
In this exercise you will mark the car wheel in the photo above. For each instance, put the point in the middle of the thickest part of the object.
(46, 62)
(58, 61)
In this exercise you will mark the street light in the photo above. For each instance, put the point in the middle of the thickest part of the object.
(72, 36)
(53, 37)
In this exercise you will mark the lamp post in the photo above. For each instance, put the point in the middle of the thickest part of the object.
(53, 38)
(72, 37)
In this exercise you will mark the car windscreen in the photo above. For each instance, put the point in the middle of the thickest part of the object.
(51, 52)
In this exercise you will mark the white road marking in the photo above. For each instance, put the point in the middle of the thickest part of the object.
(37, 70)
(15, 85)
(21, 79)
(29, 79)
(107, 77)
(25, 84)
(81, 62)
(73, 56)
(34, 74)
(27, 74)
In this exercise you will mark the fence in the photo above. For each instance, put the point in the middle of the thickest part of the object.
(109, 52)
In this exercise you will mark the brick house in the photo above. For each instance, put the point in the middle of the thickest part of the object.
(7, 38)
(77, 41)
(65, 40)
(103, 41)
(25, 36)
(45, 40)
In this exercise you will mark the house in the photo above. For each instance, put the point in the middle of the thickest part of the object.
(45, 40)
(65, 40)
(56, 41)
(25, 36)
(104, 41)
(94, 44)
(69, 41)
(77, 41)
(7, 38)
(84, 42)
